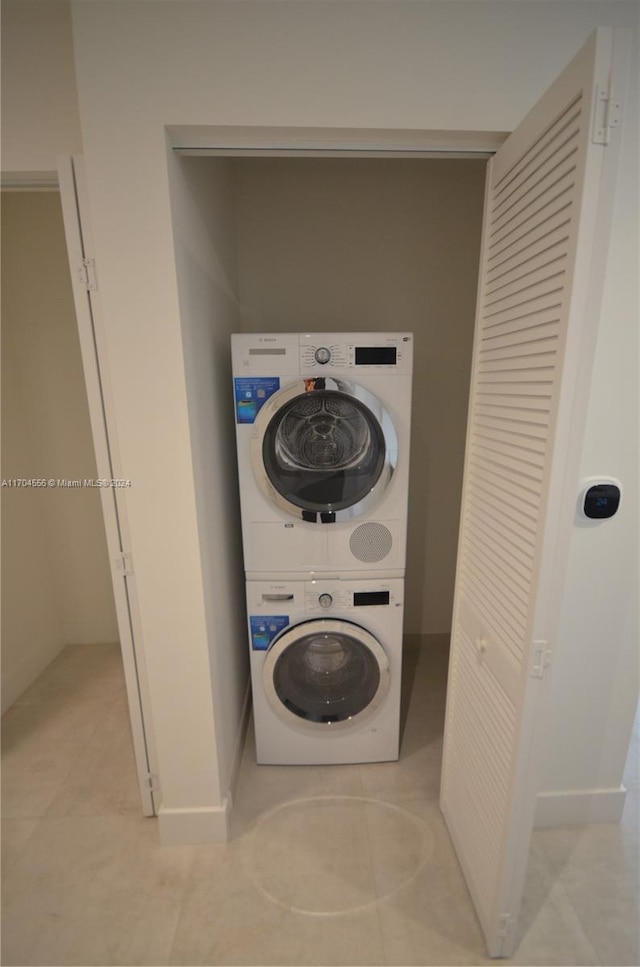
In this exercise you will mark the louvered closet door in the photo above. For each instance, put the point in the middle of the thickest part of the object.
(544, 246)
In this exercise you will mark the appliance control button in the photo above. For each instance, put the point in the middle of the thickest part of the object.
(323, 355)
(325, 600)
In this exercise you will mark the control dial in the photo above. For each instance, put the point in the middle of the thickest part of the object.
(322, 355)
(325, 600)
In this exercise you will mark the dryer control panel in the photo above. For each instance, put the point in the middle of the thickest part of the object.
(365, 351)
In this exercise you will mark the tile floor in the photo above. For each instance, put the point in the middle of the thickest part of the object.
(327, 865)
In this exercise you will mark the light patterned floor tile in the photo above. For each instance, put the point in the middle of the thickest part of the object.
(430, 920)
(94, 890)
(103, 779)
(88, 883)
(549, 930)
(15, 836)
(229, 918)
(91, 673)
(261, 788)
(598, 867)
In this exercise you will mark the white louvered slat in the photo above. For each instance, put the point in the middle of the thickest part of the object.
(536, 212)
(515, 322)
(531, 239)
(511, 424)
(499, 529)
(508, 442)
(529, 270)
(481, 553)
(492, 541)
(535, 204)
(526, 358)
(504, 630)
(504, 456)
(558, 179)
(506, 583)
(526, 308)
(509, 401)
(481, 583)
(522, 501)
(530, 460)
(484, 763)
(497, 502)
(558, 160)
(538, 224)
(538, 152)
(510, 478)
(533, 249)
(496, 570)
(533, 421)
(526, 315)
(527, 386)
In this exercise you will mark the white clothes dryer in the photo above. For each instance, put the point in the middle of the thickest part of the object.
(323, 426)
(326, 660)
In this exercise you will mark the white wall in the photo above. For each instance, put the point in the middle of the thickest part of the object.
(31, 629)
(596, 673)
(143, 65)
(40, 118)
(378, 244)
(56, 577)
(204, 237)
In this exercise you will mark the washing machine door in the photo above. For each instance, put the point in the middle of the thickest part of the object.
(324, 450)
(325, 675)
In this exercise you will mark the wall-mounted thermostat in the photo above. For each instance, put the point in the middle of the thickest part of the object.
(600, 498)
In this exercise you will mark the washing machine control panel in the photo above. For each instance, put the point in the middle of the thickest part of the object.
(372, 353)
(330, 598)
(324, 599)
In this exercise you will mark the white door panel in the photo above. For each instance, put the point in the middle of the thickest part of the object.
(78, 236)
(547, 209)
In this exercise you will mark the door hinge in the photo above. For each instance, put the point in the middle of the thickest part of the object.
(606, 115)
(541, 659)
(506, 923)
(123, 564)
(152, 782)
(87, 275)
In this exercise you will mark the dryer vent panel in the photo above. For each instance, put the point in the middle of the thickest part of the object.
(371, 542)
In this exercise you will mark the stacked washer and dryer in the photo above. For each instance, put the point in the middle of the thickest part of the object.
(323, 423)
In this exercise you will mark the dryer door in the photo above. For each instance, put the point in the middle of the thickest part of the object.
(324, 450)
(325, 674)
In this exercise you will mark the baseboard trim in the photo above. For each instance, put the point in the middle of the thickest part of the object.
(199, 826)
(194, 827)
(577, 808)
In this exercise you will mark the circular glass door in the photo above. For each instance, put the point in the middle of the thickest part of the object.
(325, 673)
(326, 452)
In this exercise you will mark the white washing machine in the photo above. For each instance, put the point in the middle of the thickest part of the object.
(323, 422)
(326, 661)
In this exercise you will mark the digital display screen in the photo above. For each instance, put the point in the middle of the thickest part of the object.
(376, 355)
(365, 599)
